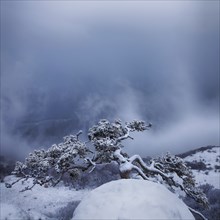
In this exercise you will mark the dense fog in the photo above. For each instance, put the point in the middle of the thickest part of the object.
(67, 64)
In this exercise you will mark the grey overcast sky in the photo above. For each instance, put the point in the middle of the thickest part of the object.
(67, 64)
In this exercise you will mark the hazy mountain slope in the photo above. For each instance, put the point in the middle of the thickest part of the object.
(205, 164)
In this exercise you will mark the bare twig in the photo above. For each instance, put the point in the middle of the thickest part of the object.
(28, 188)
(196, 212)
(9, 185)
(78, 134)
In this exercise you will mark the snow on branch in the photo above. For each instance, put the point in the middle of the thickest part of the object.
(198, 213)
(182, 177)
(49, 166)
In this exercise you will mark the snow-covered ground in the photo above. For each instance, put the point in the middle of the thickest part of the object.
(211, 178)
(38, 203)
(120, 199)
(131, 199)
(60, 202)
(211, 158)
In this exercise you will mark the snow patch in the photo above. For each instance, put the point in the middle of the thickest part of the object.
(210, 177)
(38, 203)
(211, 159)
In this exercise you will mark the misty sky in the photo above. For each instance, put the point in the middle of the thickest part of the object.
(67, 64)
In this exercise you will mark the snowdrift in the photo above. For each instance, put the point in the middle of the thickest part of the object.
(39, 203)
(131, 199)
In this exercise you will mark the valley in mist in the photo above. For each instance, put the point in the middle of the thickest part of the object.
(65, 65)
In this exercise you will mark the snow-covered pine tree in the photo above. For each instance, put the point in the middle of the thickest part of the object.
(72, 157)
(170, 170)
(48, 167)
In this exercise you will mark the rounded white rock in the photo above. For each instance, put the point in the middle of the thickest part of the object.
(131, 199)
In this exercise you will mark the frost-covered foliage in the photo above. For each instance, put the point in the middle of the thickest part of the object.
(213, 196)
(181, 177)
(48, 167)
(107, 137)
(73, 157)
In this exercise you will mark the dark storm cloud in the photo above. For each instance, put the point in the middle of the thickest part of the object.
(67, 64)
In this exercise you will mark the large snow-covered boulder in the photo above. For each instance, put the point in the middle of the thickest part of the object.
(131, 199)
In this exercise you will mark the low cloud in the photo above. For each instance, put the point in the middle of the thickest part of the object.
(188, 132)
(65, 65)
